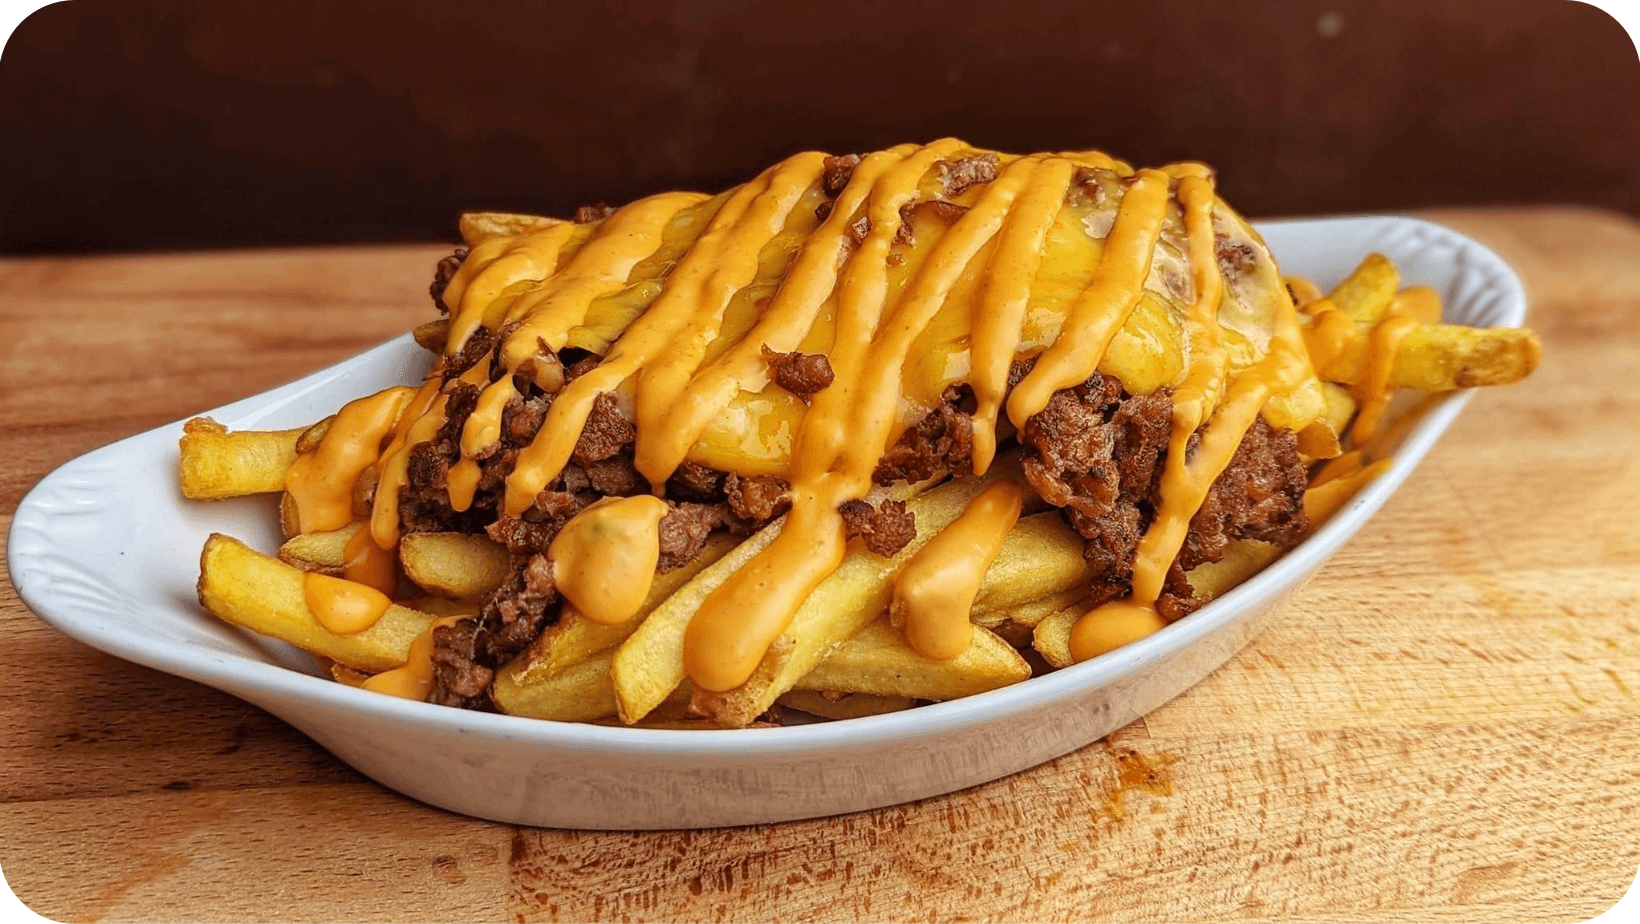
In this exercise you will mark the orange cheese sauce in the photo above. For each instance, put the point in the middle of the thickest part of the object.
(934, 593)
(1073, 259)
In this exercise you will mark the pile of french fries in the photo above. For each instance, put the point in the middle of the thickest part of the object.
(840, 657)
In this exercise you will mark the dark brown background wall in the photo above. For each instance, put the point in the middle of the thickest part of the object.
(193, 123)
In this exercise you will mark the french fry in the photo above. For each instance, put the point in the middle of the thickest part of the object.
(648, 666)
(312, 436)
(1041, 556)
(1015, 626)
(1242, 559)
(1366, 293)
(1442, 357)
(454, 565)
(290, 522)
(1052, 637)
(440, 606)
(244, 587)
(478, 227)
(1323, 438)
(432, 335)
(841, 605)
(847, 706)
(1323, 500)
(877, 660)
(216, 464)
(583, 692)
(575, 638)
(324, 552)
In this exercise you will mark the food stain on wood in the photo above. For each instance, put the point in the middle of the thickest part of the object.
(1135, 772)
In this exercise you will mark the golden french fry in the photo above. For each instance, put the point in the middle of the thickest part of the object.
(648, 666)
(244, 587)
(454, 565)
(1323, 500)
(1366, 293)
(1302, 290)
(324, 552)
(1041, 556)
(440, 606)
(583, 692)
(1016, 626)
(478, 227)
(877, 660)
(1323, 438)
(311, 437)
(290, 522)
(432, 335)
(215, 463)
(1441, 357)
(1114, 629)
(575, 638)
(343, 674)
(842, 605)
(1242, 559)
(846, 706)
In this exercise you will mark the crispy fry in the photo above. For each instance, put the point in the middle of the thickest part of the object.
(1041, 556)
(215, 464)
(324, 552)
(1323, 438)
(432, 335)
(877, 660)
(1366, 293)
(1323, 500)
(290, 524)
(454, 565)
(1016, 625)
(249, 589)
(847, 706)
(575, 638)
(1441, 357)
(478, 227)
(583, 692)
(310, 438)
(842, 605)
(1242, 559)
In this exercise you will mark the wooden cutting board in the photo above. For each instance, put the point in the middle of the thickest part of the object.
(1442, 726)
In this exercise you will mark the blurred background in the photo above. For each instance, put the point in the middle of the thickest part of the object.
(204, 123)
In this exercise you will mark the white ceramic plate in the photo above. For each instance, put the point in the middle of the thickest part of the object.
(106, 549)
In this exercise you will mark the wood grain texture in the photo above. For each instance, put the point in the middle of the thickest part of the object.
(1442, 726)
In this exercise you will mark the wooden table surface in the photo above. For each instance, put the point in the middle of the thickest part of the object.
(1443, 726)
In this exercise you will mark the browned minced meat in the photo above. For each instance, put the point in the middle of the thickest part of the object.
(458, 679)
(802, 374)
(476, 348)
(836, 172)
(606, 431)
(683, 532)
(756, 498)
(442, 274)
(958, 175)
(1234, 258)
(587, 214)
(947, 212)
(1098, 452)
(695, 482)
(886, 528)
(942, 441)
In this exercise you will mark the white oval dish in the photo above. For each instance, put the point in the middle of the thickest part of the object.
(106, 549)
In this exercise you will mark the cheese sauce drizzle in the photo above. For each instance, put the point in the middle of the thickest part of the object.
(934, 593)
(837, 296)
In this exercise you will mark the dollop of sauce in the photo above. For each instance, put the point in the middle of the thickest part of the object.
(934, 593)
(604, 558)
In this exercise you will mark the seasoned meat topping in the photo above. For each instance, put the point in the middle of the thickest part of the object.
(442, 274)
(588, 214)
(802, 374)
(943, 441)
(607, 431)
(886, 528)
(836, 172)
(958, 175)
